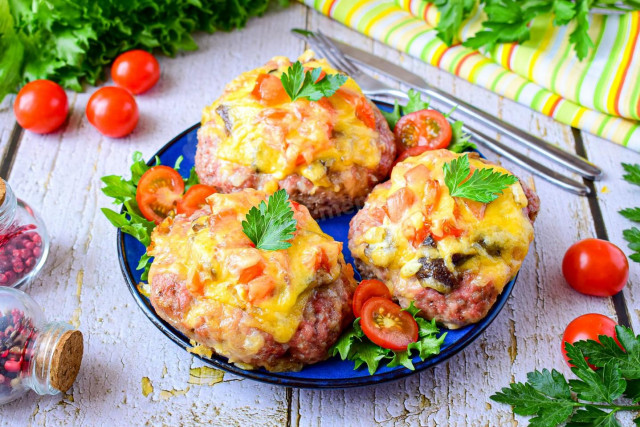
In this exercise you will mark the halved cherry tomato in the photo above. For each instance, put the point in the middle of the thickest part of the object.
(386, 324)
(41, 106)
(136, 70)
(410, 152)
(159, 189)
(587, 327)
(424, 128)
(368, 289)
(364, 112)
(194, 199)
(595, 267)
(269, 90)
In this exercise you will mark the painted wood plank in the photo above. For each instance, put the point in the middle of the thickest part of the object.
(7, 121)
(527, 333)
(59, 175)
(614, 193)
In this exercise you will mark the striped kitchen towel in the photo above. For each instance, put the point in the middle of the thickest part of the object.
(600, 94)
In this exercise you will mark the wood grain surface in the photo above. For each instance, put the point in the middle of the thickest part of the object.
(133, 375)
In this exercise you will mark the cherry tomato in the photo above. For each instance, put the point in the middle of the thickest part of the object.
(595, 267)
(194, 199)
(387, 325)
(159, 189)
(424, 128)
(269, 90)
(368, 289)
(41, 106)
(587, 327)
(135, 70)
(113, 111)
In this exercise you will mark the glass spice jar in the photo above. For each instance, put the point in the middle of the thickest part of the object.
(44, 357)
(24, 243)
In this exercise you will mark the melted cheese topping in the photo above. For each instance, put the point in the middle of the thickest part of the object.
(217, 261)
(415, 204)
(302, 137)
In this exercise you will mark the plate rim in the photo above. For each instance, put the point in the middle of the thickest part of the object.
(274, 378)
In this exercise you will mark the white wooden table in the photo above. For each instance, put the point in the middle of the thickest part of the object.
(59, 174)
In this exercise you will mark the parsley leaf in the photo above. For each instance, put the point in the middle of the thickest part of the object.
(354, 345)
(633, 173)
(632, 236)
(550, 397)
(269, 226)
(452, 14)
(631, 213)
(483, 186)
(299, 83)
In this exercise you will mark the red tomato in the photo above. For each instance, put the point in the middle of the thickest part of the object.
(135, 70)
(269, 90)
(588, 327)
(424, 128)
(399, 202)
(368, 289)
(385, 324)
(113, 111)
(159, 189)
(41, 106)
(595, 267)
(194, 199)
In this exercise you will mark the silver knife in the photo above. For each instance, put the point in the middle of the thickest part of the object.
(564, 158)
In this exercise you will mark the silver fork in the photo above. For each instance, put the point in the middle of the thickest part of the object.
(372, 87)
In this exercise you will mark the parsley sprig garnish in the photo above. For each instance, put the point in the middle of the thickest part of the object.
(459, 140)
(508, 20)
(299, 83)
(594, 398)
(632, 235)
(485, 185)
(354, 345)
(123, 192)
(271, 224)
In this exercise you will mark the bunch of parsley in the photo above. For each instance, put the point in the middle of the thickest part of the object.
(632, 235)
(354, 345)
(509, 20)
(70, 41)
(591, 400)
(123, 192)
(459, 140)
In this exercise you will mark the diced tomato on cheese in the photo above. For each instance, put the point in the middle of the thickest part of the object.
(260, 288)
(399, 203)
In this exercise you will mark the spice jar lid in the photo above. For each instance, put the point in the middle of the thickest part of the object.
(3, 190)
(66, 360)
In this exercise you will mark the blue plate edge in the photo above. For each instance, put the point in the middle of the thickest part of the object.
(275, 377)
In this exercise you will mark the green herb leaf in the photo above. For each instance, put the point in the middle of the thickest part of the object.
(553, 383)
(631, 213)
(485, 185)
(298, 83)
(580, 35)
(452, 14)
(633, 237)
(269, 226)
(192, 180)
(392, 117)
(592, 416)
(604, 385)
(633, 173)
(415, 103)
(460, 140)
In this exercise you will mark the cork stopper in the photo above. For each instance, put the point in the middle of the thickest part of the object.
(3, 191)
(66, 360)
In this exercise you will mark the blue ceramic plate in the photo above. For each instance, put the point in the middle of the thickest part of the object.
(332, 373)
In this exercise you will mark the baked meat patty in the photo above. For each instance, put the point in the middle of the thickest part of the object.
(274, 309)
(451, 256)
(327, 155)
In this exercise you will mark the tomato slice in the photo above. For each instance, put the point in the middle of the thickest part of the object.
(194, 199)
(368, 289)
(159, 189)
(269, 90)
(364, 112)
(386, 324)
(424, 128)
